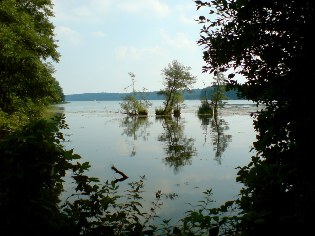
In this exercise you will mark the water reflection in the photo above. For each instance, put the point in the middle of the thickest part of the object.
(179, 149)
(217, 127)
(205, 121)
(135, 127)
(108, 137)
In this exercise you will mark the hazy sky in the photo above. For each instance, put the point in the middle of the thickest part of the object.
(100, 41)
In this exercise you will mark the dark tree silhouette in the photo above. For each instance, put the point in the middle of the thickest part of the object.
(271, 44)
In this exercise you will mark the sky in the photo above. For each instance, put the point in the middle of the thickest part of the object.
(101, 41)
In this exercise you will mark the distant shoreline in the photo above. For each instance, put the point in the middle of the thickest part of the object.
(194, 94)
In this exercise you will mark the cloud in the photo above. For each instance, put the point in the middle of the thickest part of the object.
(180, 40)
(187, 20)
(82, 11)
(101, 5)
(97, 10)
(74, 10)
(185, 13)
(99, 34)
(136, 53)
(68, 34)
(152, 7)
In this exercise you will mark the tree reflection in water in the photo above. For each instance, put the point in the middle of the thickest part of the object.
(217, 126)
(135, 127)
(178, 148)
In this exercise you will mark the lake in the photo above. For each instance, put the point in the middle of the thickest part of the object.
(184, 156)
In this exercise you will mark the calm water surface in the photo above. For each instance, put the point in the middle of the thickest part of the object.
(185, 156)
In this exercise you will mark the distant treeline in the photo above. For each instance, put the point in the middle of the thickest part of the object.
(194, 94)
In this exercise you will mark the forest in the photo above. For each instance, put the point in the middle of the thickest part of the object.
(270, 43)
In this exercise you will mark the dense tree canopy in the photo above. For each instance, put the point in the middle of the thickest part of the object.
(271, 43)
(27, 48)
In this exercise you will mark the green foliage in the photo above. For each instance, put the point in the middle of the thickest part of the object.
(161, 112)
(207, 220)
(10, 122)
(177, 79)
(203, 219)
(101, 210)
(270, 43)
(131, 105)
(26, 46)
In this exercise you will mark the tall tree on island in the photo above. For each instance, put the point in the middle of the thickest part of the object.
(271, 44)
(177, 79)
